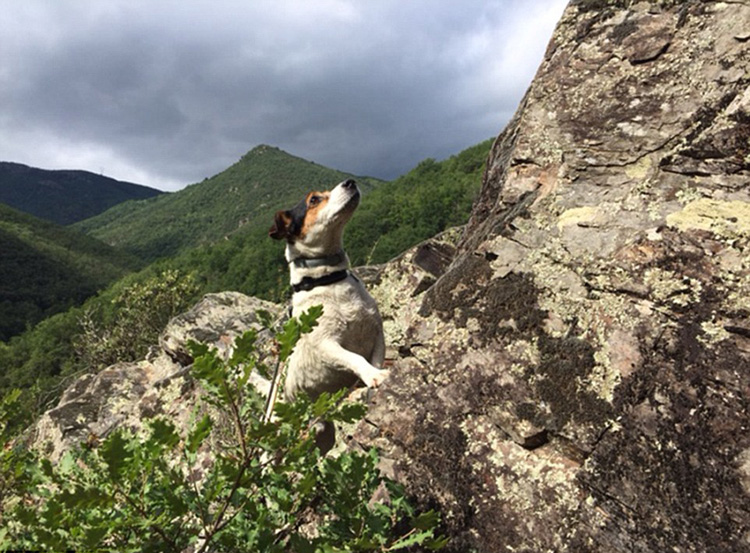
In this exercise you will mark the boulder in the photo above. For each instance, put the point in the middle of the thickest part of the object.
(127, 394)
(579, 378)
(217, 319)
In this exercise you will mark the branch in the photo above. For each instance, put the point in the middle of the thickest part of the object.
(144, 514)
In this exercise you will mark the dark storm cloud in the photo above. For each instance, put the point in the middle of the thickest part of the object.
(167, 93)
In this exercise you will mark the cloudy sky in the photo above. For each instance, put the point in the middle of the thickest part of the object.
(168, 92)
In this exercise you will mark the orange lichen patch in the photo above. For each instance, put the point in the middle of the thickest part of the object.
(316, 201)
(640, 252)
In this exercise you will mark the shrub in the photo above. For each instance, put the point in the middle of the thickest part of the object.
(141, 311)
(237, 482)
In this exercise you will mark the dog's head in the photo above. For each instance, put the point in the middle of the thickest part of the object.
(317, 222)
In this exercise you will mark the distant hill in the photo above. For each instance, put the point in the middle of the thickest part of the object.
(64, 196)
(242, 197)
(46, 268)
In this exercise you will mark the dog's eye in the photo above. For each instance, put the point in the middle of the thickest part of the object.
(315, 200)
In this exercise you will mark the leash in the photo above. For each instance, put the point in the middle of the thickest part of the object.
(273, 393)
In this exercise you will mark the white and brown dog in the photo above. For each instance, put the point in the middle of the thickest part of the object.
(348, 343)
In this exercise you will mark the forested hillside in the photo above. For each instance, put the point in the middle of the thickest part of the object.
(391, 218)
(237, 199)
(45, 268)
(64, 196)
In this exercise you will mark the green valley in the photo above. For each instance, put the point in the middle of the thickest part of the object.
(46, 268)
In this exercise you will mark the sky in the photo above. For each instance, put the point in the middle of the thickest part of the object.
(168, 92)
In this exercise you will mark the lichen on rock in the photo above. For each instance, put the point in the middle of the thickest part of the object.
(582, 385)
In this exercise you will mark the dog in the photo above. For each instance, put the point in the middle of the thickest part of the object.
(348, 343)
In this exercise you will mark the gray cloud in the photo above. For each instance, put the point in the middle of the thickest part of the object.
(167, 93)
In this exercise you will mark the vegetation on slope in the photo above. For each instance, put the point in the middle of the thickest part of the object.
(64, 197)
(391, 218)
(432, 197)
(45, 269)
(238, 199)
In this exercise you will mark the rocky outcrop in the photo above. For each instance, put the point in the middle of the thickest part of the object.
(126, 394)
(579, 378)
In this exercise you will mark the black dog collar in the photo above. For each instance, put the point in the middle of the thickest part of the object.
(307, 283)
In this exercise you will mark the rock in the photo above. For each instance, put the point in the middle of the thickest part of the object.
(127, 394)
(217, 319)
(579, 378)
(398, 283)
(91, 408)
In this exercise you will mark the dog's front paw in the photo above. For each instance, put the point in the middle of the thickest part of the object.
(377, 378)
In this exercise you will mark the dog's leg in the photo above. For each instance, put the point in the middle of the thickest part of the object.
(371, 376)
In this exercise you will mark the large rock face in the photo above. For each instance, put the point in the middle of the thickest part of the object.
(579, 379)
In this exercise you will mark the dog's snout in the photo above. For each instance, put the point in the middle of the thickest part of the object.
(350, 183)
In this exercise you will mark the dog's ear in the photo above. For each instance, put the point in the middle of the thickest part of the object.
(280, 227)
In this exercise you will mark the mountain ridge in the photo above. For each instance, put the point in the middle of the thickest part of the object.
(64, 196)
(263, 180)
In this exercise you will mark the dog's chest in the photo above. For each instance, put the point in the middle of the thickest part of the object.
(351, 320)
(350, 314)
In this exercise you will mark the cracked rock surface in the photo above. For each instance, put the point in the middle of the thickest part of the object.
(578, 379)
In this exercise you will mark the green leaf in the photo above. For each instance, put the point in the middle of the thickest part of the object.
(426, 520)
(47, 468)
(351, 412)
(114, 453)
(323, 404)
(197, 349)
(417, 538)
(295, 327)
(244, 345)
(264, 318)
(67, 463)
(437, 543)
(163, 433)
(196, 437)
(93, 536)
(210, 369)
(309, 319)
(263, 370)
